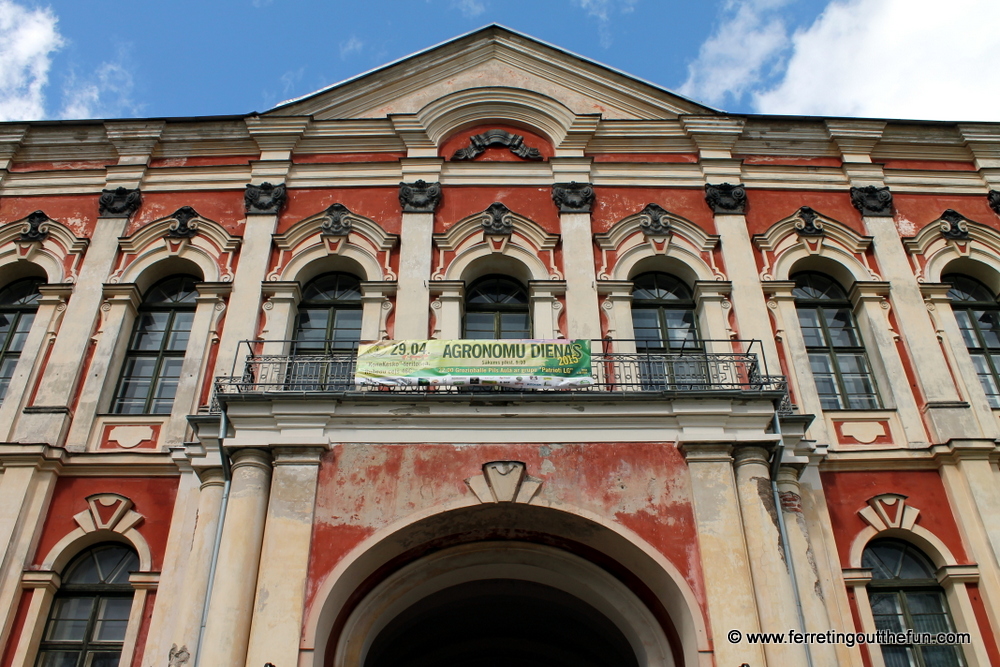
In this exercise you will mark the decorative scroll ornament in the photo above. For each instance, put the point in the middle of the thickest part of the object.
(872, 200)
(183, 228)
(265, 199)
(36, 227)
(419, 197)
(118, 203)
(504, 482)
(654, 221)
(498, 220)
(726, 198)
(338, 221)
(954, 225)
(480, 142)
(993, 197)
(573, 197)
(889, 510)
(808, 223)
(108, 511)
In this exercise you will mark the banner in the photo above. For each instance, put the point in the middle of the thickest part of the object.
(526, 364)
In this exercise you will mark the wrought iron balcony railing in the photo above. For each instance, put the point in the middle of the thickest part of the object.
(693, 370)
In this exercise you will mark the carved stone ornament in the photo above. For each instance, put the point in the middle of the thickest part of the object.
(993, 197)
(573, 197)
(504, 482)
(480, 142)
(118, 203)
(654, 221)
(108, 511)
(497, 220)
(419, 197)
(872, 200)
(36, 227)
(808, 223)
(726, 198)
(954, 225)
(889, 510)
(183, 228)
(178, 656)
(338, 221)
(265, 199)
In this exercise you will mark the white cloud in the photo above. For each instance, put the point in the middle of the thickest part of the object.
(105, 93)
(352, 45)
(469, 8)
(736, 58)
(896, 59)
(602, 11)
(27, 40)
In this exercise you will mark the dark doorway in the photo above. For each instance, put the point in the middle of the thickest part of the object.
(501, 622)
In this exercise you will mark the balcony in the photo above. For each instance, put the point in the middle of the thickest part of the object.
(616, 368)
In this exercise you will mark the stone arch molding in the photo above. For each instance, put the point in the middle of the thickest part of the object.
(470, 240)
(934, 248)
(186, 235)
(108, 517)
(809, 234)
(654, 233)
(334, 232)
(45, 242)
(889, 515)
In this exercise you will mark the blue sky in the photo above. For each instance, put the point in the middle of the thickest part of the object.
(891, 58)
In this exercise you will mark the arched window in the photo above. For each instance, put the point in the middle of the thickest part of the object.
(496, 307)
(663, 314)
(905, 595)
(978, 316)
(836, 352)
(18, 303)
(89, 616)
(329, 315)
(156, 352)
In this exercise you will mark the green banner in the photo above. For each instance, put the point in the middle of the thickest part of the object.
(528, 364)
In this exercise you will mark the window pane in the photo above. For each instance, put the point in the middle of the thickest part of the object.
(840, 323)
(940, 656)
(166, 386)
(965, 325)
(989, 326)
(149, 331)
(180, 330)
(69, 619)
(514, 325)
(20, 333)
(58, 658)
(811, 330)
(112, 619)
(102, 659)
(899, 656)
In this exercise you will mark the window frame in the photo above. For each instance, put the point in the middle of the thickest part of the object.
(332, 306)
(498, 309)
(19, 311)
(968, 306)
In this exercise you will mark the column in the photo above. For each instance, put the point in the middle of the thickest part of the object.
(375, 309)
(449, 308)
(575, 201)
(419, 200)
(771, 581)
(545, 308)
(724, 560)
(232, 595)
(284, 560)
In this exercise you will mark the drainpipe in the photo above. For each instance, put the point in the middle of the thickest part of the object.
(783, 531)
(228, 477)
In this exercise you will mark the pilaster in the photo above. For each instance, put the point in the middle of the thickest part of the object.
(575, 202)
(419, 201)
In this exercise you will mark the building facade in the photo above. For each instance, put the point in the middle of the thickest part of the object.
(793, 421)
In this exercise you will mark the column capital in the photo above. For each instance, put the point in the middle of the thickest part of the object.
(706, 452)
(210, 477)
(750, 454)
(573, 197)
(264, 199)
(419, 196)
(41, 579)
(251, 458)
(726, 198)
(285, 455)
(872, 200)
(120, 202)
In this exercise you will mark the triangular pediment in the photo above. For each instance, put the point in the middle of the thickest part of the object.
(492, 58)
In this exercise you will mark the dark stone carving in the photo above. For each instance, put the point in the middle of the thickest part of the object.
(183, 228)
(994, 200)
(118, 203)
(573, 197)
(954, 225)
(726, 198)
(36, 227)
(419, 197)
(872, 200)
(497, 220)
(265, 199)
(654, 220)
(480, 142)
(808, 223)
(338, 221)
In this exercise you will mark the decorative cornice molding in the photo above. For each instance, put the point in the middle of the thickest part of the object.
(264, 199)
(654, 220)
(119, 203)
(808, 223)
(872, 200)
(498, 220)
(339, 221)
(182, 227)
(35, 228)
(419, 197)
(726, 198)
(480, 142)
(573, 197)
(993, 198)
(954, 225)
